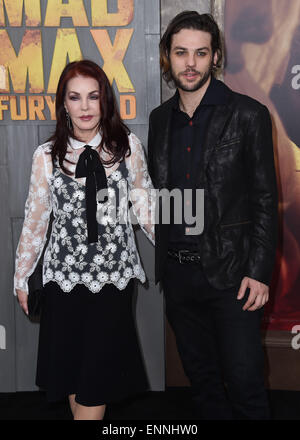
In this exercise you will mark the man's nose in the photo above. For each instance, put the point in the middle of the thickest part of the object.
(191, 60)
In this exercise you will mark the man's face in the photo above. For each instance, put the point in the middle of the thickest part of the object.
(191, 59)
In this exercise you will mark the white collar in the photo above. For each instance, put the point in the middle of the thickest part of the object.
(76, 145)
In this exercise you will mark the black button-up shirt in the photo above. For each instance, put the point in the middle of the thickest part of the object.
(187, 137)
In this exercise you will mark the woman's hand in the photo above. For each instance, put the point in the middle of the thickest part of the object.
(23, 300)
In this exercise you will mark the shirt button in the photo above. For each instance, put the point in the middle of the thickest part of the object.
(191, 123)
(188, 175)
(188, 149)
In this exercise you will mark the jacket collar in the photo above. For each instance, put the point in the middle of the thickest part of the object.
(221, 115)
(216, 94)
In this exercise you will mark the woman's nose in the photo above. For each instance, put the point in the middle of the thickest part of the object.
(84, 104)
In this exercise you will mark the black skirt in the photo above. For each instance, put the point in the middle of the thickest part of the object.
(88, 345)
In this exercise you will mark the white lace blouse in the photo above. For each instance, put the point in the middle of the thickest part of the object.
(69, 259)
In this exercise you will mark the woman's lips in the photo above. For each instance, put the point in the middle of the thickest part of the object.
(86, 118)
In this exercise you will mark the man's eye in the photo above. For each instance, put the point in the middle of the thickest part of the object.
(180, 53)
(201, 54)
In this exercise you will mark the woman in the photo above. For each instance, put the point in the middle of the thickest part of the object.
(88, 347)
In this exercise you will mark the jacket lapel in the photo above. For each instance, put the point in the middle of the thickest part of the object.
(217, 126)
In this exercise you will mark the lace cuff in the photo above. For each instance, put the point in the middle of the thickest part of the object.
(142, 194)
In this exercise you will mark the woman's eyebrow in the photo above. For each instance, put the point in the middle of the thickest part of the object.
(77, 93)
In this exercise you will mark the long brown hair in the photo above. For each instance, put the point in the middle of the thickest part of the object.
(189, 20)
(114, 132)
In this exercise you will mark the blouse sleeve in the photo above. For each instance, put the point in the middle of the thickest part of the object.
(38, 208)
(141, 191)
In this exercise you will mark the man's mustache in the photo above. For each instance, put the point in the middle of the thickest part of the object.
(190, 71)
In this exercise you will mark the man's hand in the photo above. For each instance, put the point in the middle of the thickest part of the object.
(23, 300)
(258, 296)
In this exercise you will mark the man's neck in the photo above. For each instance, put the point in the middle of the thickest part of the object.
(189, 101)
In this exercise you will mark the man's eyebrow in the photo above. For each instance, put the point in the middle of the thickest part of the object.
(185, 48)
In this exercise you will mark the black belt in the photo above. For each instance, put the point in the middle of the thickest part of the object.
(185, 256)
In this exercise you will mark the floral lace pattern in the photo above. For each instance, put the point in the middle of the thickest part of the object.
(69, 259)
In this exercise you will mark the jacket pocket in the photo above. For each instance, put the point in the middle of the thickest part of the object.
(232, 225)
(227, 144)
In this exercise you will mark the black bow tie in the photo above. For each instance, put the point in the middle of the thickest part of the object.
(90, 166)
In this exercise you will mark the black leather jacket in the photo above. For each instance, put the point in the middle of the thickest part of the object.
(238, 176)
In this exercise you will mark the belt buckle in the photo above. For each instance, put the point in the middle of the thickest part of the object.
(181, 253)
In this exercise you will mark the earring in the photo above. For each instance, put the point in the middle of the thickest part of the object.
(69, 124)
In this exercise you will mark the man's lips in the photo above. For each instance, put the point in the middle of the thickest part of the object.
(86, 118)
(190, 75)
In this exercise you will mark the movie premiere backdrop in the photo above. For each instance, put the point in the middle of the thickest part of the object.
(37, 39)
(263, 61)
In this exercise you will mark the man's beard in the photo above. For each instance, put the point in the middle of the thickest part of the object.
(203, 79)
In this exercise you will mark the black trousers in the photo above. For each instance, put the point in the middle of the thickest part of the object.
(219, 345)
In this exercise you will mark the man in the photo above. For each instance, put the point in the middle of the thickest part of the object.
(215, 283)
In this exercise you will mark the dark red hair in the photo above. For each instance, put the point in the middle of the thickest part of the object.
(114, 131)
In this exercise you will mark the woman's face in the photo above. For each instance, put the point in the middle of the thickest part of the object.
(82, 102)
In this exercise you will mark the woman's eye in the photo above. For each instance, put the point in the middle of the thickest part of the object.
(94, 97)
(73, 98)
